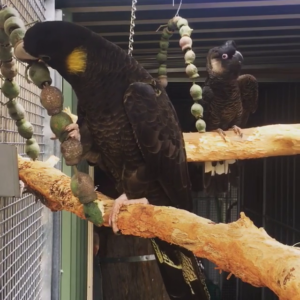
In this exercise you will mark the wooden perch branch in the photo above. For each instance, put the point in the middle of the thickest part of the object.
(257, 142)
(239, 247)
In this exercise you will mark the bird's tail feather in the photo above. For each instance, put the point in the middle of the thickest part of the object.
(218, 175)
(181, 272)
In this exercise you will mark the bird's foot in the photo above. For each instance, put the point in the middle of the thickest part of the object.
(222, 134)
(237, 130)
(119, 202)
(73, 130)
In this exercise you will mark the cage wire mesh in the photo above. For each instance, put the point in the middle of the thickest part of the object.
(21, 226)
(221, 209)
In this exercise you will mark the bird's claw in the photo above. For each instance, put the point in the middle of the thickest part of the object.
(237, 130)
(73, 130)
(118, 203)
(222, 134)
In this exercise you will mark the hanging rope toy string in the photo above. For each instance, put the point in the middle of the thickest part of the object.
(179, 7)
(132, 25)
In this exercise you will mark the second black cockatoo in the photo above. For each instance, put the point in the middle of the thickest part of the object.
(133, 128)
(228, 100)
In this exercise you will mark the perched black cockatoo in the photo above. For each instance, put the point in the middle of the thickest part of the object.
(228, 100)
(134, 128)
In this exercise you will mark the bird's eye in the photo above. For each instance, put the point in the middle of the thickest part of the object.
(224, 56)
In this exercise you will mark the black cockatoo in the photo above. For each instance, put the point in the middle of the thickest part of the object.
(131, 125)
(228, 100)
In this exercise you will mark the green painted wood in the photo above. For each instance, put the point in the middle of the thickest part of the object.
(74, 230)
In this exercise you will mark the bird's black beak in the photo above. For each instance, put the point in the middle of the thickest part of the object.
(238, 55)
(21, 54)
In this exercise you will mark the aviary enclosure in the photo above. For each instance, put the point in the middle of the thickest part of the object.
(267, 33)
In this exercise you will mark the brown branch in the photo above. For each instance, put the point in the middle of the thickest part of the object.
(239, 247)
(257, 142)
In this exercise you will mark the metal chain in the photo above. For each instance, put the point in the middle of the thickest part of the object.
(132, 25)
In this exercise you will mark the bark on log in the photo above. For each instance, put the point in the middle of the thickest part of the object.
(257, 142)
(239, 247)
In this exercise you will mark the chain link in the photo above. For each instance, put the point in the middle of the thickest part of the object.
(132, 25)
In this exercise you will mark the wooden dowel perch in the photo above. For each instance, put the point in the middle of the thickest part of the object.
(257, 142)
(239, 247)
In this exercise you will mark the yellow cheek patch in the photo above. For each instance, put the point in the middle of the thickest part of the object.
(76, 61)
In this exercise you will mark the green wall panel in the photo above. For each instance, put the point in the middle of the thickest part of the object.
(74, 230)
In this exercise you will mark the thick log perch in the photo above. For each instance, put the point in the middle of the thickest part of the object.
(257, 142)
(239, 247)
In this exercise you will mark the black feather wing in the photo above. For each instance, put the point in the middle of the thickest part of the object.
(249, 94)
(159, 137)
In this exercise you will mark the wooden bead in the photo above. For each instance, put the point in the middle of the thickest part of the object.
(10, 89)
(200, 125)
(161, 57)
(196, 92)
(162, 70)
(189, 57)
(163, 80)
(32, 148)
(166, 34)
(6, 14)
(13, 23)
(25, 128)
(182, 22)
(197, 110)
(6, 53)
(164, 45)
(192, 71)
(52, 99)
(185, 43)
(185, 31)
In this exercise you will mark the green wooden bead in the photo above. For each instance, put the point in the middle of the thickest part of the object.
(6, 14)
(196, 92)
(32, 148)
(185, 30)
(40, 74)
(191, 71)
(162, 70)
(197, 110)
(15, 110)
(16, 36)
(166, 34)
(6, 53)
(189, 57)
(10, 89)
(13, 23)
(93, 213)
(182, 22)
(164, 45)
(172, 23)
(25, 129)
(58, 124)
(4, 38)
(200, 125)
(161, 57)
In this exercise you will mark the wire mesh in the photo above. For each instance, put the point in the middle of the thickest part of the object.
(221, 209)
(22, 234)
